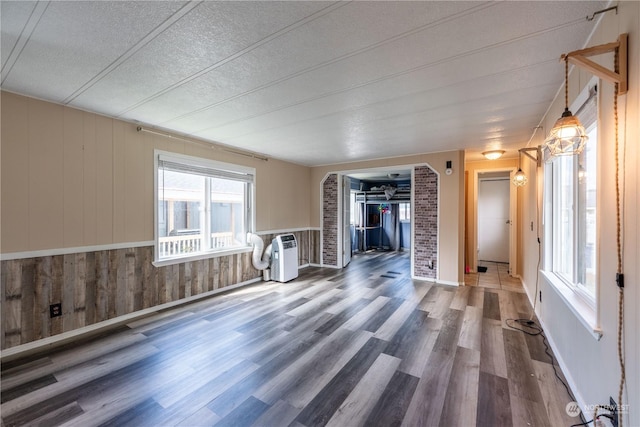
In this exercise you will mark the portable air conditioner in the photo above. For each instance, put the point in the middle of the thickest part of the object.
(284, 258)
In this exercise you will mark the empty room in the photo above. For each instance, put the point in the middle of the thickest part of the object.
(310, 213)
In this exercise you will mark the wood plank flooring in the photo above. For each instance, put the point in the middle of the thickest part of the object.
(365, 345)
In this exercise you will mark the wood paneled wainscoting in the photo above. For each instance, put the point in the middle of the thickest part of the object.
(361, 346)
(101, 285)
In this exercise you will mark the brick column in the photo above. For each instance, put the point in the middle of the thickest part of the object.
(425, 218)
(330, 220)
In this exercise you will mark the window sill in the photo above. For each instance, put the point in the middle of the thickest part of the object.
(203, 255)
(583, 311)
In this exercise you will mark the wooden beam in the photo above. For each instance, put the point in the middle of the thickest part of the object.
(537, 158)
(579, 58)
(595, 50)
(596, 69)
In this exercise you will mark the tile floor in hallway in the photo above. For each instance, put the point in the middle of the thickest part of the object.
(496, 277)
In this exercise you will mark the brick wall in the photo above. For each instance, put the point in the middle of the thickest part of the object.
(330, 220)
(425, 222)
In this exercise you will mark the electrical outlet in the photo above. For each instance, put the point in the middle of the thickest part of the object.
(55, 310)
(613, 407)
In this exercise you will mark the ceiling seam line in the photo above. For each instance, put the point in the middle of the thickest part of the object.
(392, 131)
(345, 90)
(396, 99)
(237, 55)
(338, 59)
(422, 92)
(400, 73)
(14, 60)
(414, 113)
(148, 38)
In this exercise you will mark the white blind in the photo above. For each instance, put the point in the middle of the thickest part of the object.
(213, 171)
(588, 112)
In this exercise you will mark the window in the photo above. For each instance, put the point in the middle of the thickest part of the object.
(571, 209)
(405, 211)
(202, 206)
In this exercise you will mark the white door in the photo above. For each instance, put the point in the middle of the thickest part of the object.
(346, 221)
(494, 225)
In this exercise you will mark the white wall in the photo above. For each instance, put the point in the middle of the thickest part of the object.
(592, 366)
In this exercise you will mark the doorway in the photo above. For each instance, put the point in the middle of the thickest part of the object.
(494, 218)
(376, 212)
(494, 223)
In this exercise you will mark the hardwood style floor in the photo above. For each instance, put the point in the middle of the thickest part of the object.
(365, 345)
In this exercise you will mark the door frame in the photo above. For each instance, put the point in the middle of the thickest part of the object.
(345, 196)
(348, 172)
(513, 214)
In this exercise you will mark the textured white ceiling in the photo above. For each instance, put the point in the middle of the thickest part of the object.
(309, 82)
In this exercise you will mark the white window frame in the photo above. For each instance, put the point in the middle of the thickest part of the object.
(406, 206)
(248, 174)
(584, 305)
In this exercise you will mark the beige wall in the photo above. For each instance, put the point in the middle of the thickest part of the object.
(451, 216)
(592, 366)
(72, 179)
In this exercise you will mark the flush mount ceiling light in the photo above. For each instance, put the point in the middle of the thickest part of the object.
(567, 136)
(493, 154)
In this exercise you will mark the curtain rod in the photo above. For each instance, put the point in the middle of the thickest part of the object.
(203, 143)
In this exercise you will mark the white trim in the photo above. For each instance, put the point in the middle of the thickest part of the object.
(201, 255)
(340, 242)
(448, 283)
(250, 200)
(412, 229)
(75, 250)
(321, 204)
(285, 230)
(583, 311)
(584, 306)
(438, 223)
(436, 281)
(423, 279)
(10, 256)
(70, 336)
(513, 217)
(203, 161)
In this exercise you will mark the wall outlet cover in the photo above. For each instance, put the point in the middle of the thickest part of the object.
(55, 310)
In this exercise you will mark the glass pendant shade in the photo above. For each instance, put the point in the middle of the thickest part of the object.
(519, 179)
(568, 136)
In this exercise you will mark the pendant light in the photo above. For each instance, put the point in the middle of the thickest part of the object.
(568, 137)
(519, 179)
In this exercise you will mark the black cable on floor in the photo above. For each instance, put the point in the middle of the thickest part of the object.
(530, 327)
